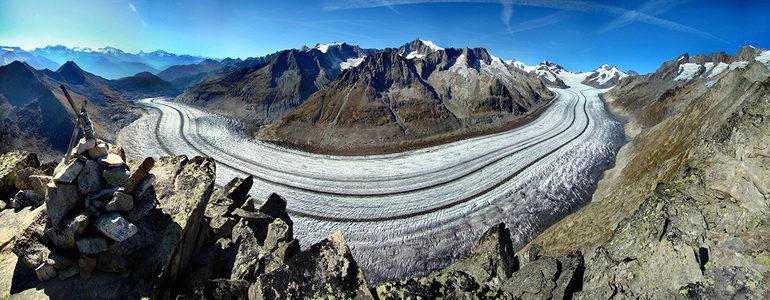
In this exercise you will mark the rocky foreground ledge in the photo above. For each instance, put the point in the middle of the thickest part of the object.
(99, 227)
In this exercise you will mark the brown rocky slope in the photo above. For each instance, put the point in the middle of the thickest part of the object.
(686, 210)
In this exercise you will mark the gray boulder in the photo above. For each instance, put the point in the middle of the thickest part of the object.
(10, 163)
(45, 272)
(69, 172)
(22, 181)
(115, 176)
(39, 183)
(111, 160)
(61, 198)
(24, 198)
(98, 151)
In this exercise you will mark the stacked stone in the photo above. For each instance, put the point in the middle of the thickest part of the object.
(89, 201)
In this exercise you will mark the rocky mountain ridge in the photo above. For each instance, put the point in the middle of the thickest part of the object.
(604, 77)
(265, 92)
(391, 101)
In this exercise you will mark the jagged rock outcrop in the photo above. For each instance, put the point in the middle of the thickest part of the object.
(326, 269)
(492, 271)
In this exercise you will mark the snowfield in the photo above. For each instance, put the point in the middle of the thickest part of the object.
(408, 213)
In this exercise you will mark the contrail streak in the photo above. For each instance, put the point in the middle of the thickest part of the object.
(578, 6)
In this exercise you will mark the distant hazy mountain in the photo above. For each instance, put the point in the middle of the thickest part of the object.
(11, 54)
(263, 90)
(184, 76)
(144, 85)
(112, 63)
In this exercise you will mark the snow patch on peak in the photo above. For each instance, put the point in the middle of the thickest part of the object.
(351, 62)
(520, 65)
(431, 45)
(325, 47)
(763, 57)
(414, 54)
(688, 71)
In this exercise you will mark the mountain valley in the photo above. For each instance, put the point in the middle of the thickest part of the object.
(413, 171)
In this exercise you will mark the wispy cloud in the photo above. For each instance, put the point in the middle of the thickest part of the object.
(506, 14)
(652, 7)
(133, 8)
(539, 22)
(566, 5)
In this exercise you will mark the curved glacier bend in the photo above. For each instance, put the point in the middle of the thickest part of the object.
(407, 213)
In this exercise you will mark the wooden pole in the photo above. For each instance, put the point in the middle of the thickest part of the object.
(75, 130)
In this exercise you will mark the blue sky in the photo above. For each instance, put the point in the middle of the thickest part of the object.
(580, 35)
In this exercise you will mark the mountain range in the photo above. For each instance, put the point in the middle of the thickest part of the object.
(107, 62)
(11, 54)
(311, 97)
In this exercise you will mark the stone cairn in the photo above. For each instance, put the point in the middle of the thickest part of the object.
(90, 209)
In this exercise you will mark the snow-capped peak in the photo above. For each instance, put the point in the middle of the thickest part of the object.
(109, 50)
(605, 73)
(431, 45)
(551, 66)
(520, 65)
(325, 47)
